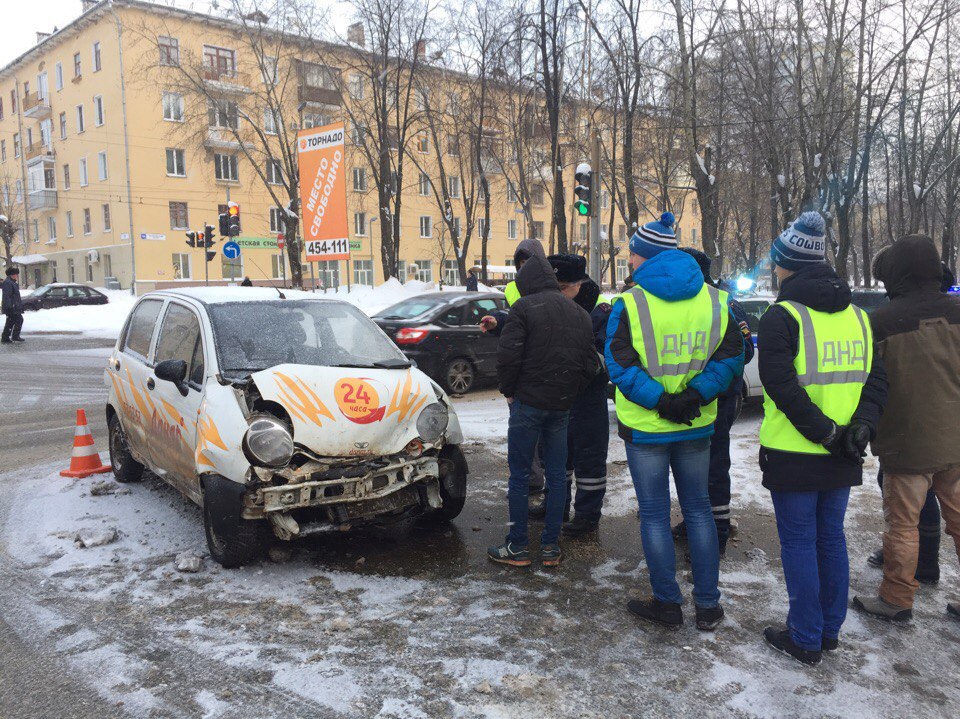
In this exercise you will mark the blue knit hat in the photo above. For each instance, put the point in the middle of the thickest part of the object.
(802, 244)
(654, 237)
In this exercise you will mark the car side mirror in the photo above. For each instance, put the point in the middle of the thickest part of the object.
(173, 370)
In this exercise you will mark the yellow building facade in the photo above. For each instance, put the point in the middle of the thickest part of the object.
(105, 164)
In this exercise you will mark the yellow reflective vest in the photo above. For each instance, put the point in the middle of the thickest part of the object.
(674, 340)
(511, 292)
(834, 357)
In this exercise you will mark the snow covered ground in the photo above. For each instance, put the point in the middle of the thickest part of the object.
(417, 623)
(107, 320)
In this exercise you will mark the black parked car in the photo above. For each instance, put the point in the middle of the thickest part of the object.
(440, 331)
(62, 295)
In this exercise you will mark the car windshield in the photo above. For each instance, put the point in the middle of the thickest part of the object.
(252, 336)
(754, 308)
(869, 301)
(408, 309)
(42, 290)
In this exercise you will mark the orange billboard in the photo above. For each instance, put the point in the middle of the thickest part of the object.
(323, 192)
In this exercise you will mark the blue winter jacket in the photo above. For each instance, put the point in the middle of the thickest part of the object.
(673, 276)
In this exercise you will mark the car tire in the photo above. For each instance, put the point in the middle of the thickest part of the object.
(458, 376)
(125, 467)
(453, 486)
(232, 540)
(741, 400)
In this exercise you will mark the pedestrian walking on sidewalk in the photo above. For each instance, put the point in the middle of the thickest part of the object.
(12, 307)
(672, 348)
(918, 440)
(824, 389)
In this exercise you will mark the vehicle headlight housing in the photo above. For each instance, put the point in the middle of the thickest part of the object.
(432, 422)
(268, 442)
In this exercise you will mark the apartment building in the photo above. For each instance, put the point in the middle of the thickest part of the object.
(106, 162)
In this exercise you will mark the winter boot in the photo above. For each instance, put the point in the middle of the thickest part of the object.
(928, 558)
(876, 559)
(550, 555)
(781, 640)
(506, 553)
(879, 607)
(829, 644)
(709, 618)
(579, 526)
(666, 614)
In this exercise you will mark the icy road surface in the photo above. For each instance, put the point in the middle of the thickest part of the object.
(413, 623)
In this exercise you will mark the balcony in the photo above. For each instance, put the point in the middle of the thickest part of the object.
(221, 138)
(320, 96)
(36, 107)
(42, 200)
(227, 81)
(39, 152)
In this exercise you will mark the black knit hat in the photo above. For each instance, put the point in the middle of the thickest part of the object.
(569, 268)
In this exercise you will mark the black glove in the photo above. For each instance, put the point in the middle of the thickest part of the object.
(834, 441)
(681, 408)
(855, 441)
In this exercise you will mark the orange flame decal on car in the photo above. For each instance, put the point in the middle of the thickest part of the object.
(207, 435)
(300, 400)
(405, 398)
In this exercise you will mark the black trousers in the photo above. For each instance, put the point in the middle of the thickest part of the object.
(718, 484)
(11, 328)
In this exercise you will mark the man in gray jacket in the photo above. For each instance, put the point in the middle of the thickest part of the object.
(12, 307)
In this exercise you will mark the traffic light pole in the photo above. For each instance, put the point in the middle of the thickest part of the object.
(596, 249)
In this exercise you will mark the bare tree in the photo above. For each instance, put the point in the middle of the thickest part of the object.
(11, 215)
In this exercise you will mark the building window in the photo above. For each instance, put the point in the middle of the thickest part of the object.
(223, 114)
(536, 230)
(426, 226)
(63, 126)
(512, 193)
(69, 223)
(453, 186)
(3, 150)
(83, 172)
(269, 70)
(19, 190)
(76, 64)
(34, 230)
(107, 261)
(313, 119)
(269, 122)
(179, 219)
(583, 232)
(169, 51)
(16, 144)
(356, 88)
(232, 269)
(274, 172)
(456, 227)
(89, 269)
(451, 274)
(424, 270)
(96, 57)
(360, 224)
(80, 124)
(98, 110)
(52, 227)
(226, 167)
(1, 108)
(176, 162)
(219, 62)
(363, 272)
(423, 142)
(482, 227)
(87, 222)
(181, 266)
(66, 177)
(359, 179)
(13, 101)
(320, 76)
(511, 229)
(453, 145)
(424, 185)
(71, 270)
(107, 224)
(173, 106)
(536, 194)
(102, 165)
(622, 270)
(276, 219)
(358, 133)
(58, 76)
(278, 265)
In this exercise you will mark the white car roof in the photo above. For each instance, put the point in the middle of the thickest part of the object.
(224, 295)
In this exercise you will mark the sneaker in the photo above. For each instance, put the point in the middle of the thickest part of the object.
(780, 640)
(829, 644)
(506, 553)
(666, 614)
(580, 526)
(879, 607)
(550, 555)
(709, 618)
(876, 559)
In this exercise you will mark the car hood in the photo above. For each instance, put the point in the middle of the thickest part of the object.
(340, 412)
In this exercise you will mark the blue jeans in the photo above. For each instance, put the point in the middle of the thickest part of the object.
(528, 425)
(649, 466)
(813, 550)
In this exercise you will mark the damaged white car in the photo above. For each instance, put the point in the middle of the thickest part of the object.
(283, 412)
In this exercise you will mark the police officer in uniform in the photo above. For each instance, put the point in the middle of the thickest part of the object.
(672, 348)
(824, 390)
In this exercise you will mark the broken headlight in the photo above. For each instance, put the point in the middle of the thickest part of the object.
(432, 422)
(268, 442)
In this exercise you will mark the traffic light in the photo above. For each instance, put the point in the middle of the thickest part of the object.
(224, 224)
(583, 192)
(233, 210)
(210, 256)
(208, 234)
(192, 239)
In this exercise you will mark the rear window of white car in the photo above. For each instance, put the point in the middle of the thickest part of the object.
(140, 329)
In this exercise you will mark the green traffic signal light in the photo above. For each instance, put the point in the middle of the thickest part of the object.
(583, 209)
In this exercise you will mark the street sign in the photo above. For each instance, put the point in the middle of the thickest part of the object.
(231, 250)
(323, 192)
(281, 242)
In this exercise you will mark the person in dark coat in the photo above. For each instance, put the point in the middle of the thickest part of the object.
(12, 307)
(718, 484)
(546, 357)
(247, 282)
(472, 284)
(815, 431)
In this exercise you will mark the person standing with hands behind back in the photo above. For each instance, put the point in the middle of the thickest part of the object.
(12, 307)
(824, 391)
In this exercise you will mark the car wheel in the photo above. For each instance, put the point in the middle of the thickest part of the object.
(125, 467)
(459, 376)
(741, 400)
(453, 486)
(233, 541)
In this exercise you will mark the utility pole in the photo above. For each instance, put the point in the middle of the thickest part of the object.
(595, 207)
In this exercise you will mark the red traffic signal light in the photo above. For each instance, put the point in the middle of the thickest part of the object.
(233, 222)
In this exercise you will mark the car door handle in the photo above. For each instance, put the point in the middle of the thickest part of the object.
(116, 365)
(151, 384)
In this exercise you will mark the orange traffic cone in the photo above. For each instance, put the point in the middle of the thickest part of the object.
(85, 459)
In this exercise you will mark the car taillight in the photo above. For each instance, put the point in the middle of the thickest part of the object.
(411, 335)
